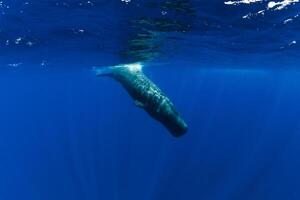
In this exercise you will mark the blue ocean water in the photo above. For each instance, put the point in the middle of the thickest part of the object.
(230, 67)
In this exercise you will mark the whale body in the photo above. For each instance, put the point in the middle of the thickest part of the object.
(146, 95)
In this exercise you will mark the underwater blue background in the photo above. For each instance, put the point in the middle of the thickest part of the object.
(67, 134)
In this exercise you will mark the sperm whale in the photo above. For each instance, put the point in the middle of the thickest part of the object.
(146, 95)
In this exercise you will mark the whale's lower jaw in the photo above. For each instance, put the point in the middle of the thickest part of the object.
(175, 124)
(149, 97)
(165, 112)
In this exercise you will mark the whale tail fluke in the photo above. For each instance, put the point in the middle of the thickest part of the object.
(110, 70)
(103, 71)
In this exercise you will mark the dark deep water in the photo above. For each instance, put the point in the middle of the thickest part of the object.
(66, 134)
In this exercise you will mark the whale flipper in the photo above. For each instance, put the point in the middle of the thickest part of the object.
(139, 104)
(146, 95)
